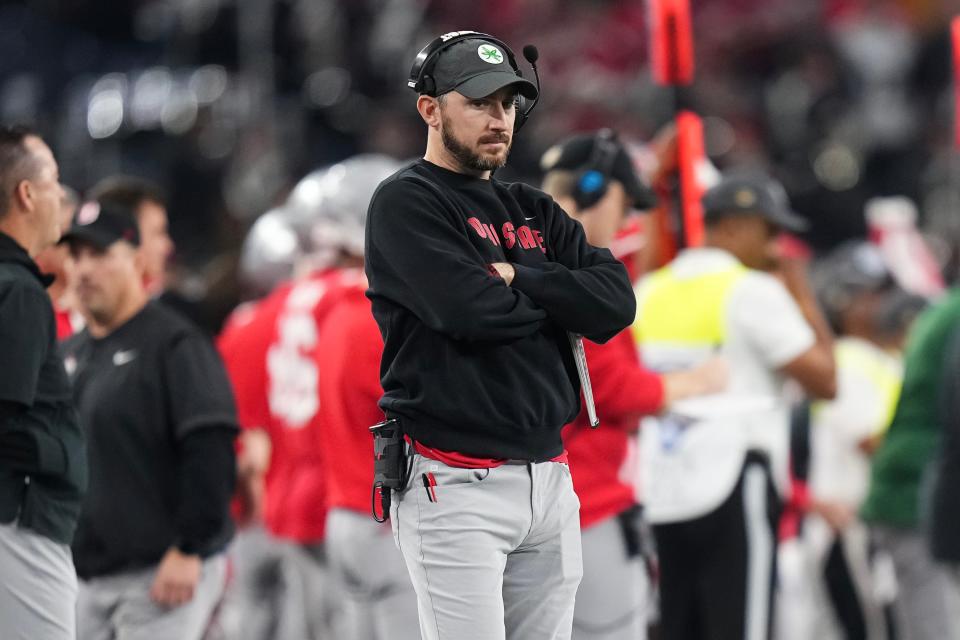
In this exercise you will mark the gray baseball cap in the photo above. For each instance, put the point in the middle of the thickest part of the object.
(745, 194)
(476, 68)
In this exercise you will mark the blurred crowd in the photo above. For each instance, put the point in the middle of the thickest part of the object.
(226, 104)
(257, 132)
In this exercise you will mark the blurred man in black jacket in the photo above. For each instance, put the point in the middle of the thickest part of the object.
(156, 406)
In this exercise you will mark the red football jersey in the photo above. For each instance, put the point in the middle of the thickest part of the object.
(68, 322)
(348, 354)
(271, 359)
(623, 391)
(242, 344)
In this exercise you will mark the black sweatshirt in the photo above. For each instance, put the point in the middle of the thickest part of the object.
(470, 364)
(158, 411)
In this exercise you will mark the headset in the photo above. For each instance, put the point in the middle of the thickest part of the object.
(421, 78)
(594, 180)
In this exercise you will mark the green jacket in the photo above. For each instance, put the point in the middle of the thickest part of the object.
(43, 460)
(909, 447)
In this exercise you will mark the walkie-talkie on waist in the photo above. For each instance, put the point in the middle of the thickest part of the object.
(389, 465)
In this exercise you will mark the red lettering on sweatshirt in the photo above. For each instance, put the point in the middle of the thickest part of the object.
(509, 237)
(478, 227)
(539, 238)
(493, 235)
(526, 237)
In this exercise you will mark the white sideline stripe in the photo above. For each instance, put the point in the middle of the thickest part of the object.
(759, 553)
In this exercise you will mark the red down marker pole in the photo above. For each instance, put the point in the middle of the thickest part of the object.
(671, 55)
(955, 39)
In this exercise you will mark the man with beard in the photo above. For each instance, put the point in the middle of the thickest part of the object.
(475, 284)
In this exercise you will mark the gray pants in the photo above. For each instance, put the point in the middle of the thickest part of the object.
(379, 602)
(118, 607)
(279, 590)
(251, 604)
(613, 598)
(927, 606)
(492, 553)
(38, 587)
(317, 593)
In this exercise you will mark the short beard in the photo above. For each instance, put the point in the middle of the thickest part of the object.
(466, 157)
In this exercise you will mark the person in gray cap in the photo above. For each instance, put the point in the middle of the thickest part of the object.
(475, 284)
(711, 466)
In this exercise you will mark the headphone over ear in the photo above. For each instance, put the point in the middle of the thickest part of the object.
(594, 179)
(421, 73)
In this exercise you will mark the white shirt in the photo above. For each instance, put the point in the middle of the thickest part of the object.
(692, 456)
(839, 469)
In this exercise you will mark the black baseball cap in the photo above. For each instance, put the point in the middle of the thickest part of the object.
(744, 194)
(476, 68)
(578, 152)
(851, 270)
(101, 225)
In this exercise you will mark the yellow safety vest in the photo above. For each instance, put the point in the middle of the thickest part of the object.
(887, 381)
(689, 463)
(685, 313)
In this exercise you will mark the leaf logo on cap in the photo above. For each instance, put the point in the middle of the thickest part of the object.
(489, 53)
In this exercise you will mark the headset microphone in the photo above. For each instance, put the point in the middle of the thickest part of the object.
(532, 55)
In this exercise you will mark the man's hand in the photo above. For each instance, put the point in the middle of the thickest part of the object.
(708, 377)
(253, 461)
(838, 515)
(251, 490)
(505, 270)
(176, 579)
(254, 458)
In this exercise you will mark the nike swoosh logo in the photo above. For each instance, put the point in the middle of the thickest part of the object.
(121, 358)
(531, 218)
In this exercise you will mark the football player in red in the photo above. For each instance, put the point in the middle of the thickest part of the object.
(379, 601)
(57, 262)
(271, 355)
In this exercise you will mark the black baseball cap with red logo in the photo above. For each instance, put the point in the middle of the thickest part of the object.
(101, 225)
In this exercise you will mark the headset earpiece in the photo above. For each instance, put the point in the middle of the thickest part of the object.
(522, 110)
(594, 180)
(427, 85)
